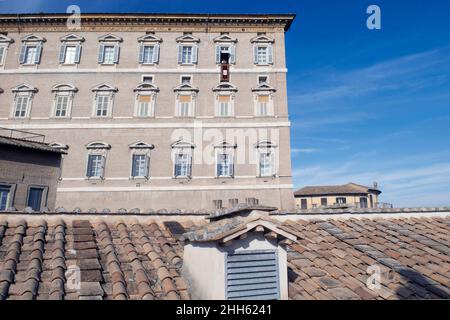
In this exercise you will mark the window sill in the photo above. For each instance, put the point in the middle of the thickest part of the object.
(20, 118)
(95, 178)
(102, 117)
(148, 64)
(187, 64)
(263, 64)
(139, 178)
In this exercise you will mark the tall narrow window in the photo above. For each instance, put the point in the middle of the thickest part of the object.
(2, 55)
(62, 105)
(4, 197)
(95, 166)
(182, 165)
(304, 204)
(31, 49)
(102, 106)
(265, 164)
(71, 55)
(184, 106)
(323, 202)
(224, 165)
(186, 55)
(143, 108)
(70, 50)
(363, 202)
(21, 106)
(30, 55)
(35, 198)
(341, 200)
(263, 105)
(109, 53)
(224, 106)
(140, 165)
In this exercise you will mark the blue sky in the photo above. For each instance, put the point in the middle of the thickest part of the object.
(365, 105)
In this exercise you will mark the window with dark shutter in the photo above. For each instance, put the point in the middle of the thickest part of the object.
(252, 275)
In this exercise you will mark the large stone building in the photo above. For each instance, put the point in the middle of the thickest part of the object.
(159, 111)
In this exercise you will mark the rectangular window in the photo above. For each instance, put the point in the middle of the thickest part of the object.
(144, 106)
(263, 105)
(224, 106)
(21, 106)
(224, 165)
(182, 165)
(363, 202)
(4, 197)
(61, 106)
(147, 79)
(71, 54)
(263, 79)
(341, 200)
(2, 55)
(265, 164)
(185, 79)
(186, 55)
(102, 106)
(323, 202)
(30, 55)
(35, 198)
(184, 106)
(95, 165)
(233, 203)
(140, 165)
(252, 274)
(217, 204)
(109, 54)
(147, 54)
(261, 53)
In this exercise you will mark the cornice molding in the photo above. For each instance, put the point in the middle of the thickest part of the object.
(94, 20)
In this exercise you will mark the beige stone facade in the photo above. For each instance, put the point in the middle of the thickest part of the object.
(255, 119)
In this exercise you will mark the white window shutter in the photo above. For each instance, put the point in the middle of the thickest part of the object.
(273, 164)
(180, 54)
(23, 53)
(101, 53)
(218, 54)
(156, 53)
(233, 54)
(255, 54)
(116, 53)
(232, 164)
(147, 166)
(62, 53)
(194, 54)
(270, 54)
(78, 54)
(141, 53)
(38, 54)
(103, 166)
(189, 170)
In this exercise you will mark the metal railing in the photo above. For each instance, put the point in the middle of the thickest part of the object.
(21, 134)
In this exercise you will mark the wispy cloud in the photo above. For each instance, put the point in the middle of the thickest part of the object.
(305, 150)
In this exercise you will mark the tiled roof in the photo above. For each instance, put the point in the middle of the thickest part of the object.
(127, 258)
(349, 188)
(117, 261)
(22, 143)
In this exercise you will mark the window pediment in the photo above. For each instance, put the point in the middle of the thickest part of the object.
(141, 145)
(146, 87)
(58, 145)
(98, 145)
(187, 38)
(64, 87)
(72, 38)
(266, 144)
(181, 144)
(224, 38)
(185, 87)
(104, 87)
(264, 87)
(5, 39)
(24, 87)
(262, 39)
(33, 38)
(225, 86)
(149, 38)
(110, 38)
(225, 145)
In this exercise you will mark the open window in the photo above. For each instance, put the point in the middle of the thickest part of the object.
(70, 50)
(225, 49)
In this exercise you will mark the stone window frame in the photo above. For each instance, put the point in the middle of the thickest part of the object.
(109, 40)
(22, 90)
(225, 148)
(264, 89)
(187, 40)
(31, 40)
(224, 89)
(44, 196)
(185, 148)
(149, 40)
(224, 40)
(104, 89)
(97, 148)
(263, 41)
(266, 146)
(140, 148)
(185, 89)
(4, 44)
(11, 195)
(145, 89)
(70, 40)
(63, 89)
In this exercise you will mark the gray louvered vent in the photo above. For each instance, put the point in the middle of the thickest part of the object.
(253, 275)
